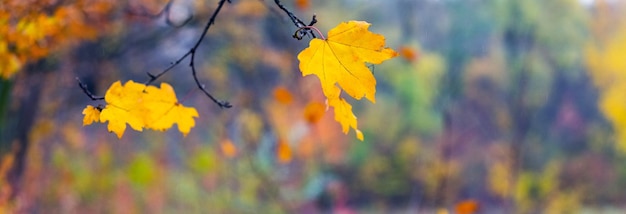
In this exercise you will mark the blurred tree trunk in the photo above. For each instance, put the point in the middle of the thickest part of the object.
(21, 121)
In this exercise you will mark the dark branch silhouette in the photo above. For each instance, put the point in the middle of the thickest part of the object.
(297, 22)
(303, 30)
(192, 53)
(86, 91)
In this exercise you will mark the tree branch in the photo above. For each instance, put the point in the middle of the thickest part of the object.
(86, 91)
(297, 22)
(303, 30)
(192, 53)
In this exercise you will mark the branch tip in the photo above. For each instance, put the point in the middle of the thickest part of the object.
(83, 86)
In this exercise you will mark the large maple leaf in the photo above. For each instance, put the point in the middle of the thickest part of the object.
(341, 59)
(141, 106)
(340, 63)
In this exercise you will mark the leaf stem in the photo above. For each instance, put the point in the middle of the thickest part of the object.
(313, 28)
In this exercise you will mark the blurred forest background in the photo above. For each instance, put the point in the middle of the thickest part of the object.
(493, 106)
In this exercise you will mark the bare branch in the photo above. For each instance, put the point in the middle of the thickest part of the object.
(87, 92)
(298, 23)
(192, 53)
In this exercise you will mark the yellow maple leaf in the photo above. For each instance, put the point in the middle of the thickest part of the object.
(165, 110)
(142, 106)
(341, 59)
(92, 114)
(123, 107)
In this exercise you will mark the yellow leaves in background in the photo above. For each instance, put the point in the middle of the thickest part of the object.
(499, 179)
(607, 67)
(9, 63)
(339, 63)
(142, 106)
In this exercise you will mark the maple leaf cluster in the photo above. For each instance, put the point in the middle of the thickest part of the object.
(339, 63)
(141, 106)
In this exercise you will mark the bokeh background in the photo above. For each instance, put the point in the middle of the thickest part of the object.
(492, 106)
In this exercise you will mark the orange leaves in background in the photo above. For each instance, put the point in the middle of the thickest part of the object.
(283, 152)
(314, 111)
(408, 53)
(141, 106)
(282, 95)
(339, 63)
(302, 4)
(467, 207)
(32, 30)
(228, 148)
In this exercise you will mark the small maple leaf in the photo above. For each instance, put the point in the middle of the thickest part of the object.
(92, 114)
(342, 56)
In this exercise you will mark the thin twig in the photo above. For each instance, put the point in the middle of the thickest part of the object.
(87, 92)
(297, 22)
(192, 53)
(172, 65)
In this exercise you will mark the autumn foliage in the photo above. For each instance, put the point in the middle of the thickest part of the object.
(338, 61)
(27, 34)
(508, 106)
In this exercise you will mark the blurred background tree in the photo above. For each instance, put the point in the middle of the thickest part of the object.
(495, 105)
